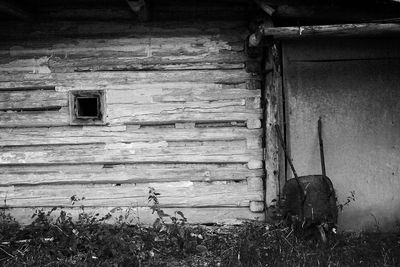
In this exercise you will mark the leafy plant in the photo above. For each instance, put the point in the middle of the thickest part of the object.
(172, 229)
(349, 199)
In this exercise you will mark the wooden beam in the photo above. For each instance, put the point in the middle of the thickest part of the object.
(336, 30)
(273, 113)
(264, 6)
(256, 38)
(145, 216)
(335, 14)
(13, 10)
(140, 8)
(340, 12)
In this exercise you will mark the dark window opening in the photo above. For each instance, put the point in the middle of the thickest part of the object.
(87, 107)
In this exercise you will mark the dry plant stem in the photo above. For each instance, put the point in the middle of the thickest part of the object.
(47, 239)
(6, 253)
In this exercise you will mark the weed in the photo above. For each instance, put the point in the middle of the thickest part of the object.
(171, 241)
(172, 229)
(349, 199)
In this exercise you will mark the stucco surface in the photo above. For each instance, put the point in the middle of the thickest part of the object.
(354, 85)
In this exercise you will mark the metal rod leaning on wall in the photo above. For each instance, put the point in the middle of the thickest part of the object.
(304, 193)
(278, 131)
(321, 147)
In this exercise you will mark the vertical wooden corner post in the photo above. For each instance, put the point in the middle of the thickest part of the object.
(273, 111)
(273, 114)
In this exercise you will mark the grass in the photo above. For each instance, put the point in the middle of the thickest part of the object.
(171, 242)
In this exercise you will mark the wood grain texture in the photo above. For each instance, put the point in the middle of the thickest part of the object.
(124, 173)
(129, 144)
(336, 30)
(32, 99)
(274, 116)
(125, 134)
(201, 111)
(112, 29)
(180, 94)
(201, 51)
(257, 206)
(173, 194)
(219, 152)
(178, 103)
(107, 80)
(136, 46)
(34, 118)
(232, 60)
(135, 104)
(144, 215)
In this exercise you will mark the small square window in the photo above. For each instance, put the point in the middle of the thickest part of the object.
(87, 107)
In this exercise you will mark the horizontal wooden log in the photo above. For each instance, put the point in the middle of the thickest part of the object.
(255, 164)
(30, 65)
(141, 52)
(111, 29)
(166, 86)
(34, 118)
(105, 80)
(175, 94)
(179, 95)
(32, 99)
(343, 13)
(186, 111)
(123, 173)
(124, 134)
(235, 105)
(122, 114)
(45, 64)
(149, 115)
(174, 194)
(337, 30)
(145, 216)
(136, 47)
(257, 206)
(44, 98)
(218, 61)
(218, 152)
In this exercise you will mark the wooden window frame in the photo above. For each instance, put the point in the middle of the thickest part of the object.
(76, 119)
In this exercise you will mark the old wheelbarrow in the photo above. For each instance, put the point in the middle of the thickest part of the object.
(309, 202)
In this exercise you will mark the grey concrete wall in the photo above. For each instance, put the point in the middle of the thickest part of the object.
(354, 85)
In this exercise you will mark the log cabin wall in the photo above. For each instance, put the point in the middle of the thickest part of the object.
(181, 114)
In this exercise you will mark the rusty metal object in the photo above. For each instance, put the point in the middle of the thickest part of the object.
(318, 208)
(309, 202)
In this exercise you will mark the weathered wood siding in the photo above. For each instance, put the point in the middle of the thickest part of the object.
(182, 116)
